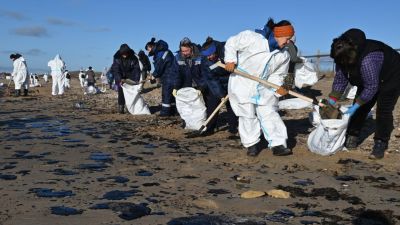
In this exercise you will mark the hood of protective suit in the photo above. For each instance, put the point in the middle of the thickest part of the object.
(269, 35)
(56, 64)
(19, 59)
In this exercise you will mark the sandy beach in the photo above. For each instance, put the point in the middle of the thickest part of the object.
(73, 160)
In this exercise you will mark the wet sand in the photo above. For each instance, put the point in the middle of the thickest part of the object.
(74, 151)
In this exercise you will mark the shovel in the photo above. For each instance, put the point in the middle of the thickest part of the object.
(131, 82)
(269, 84)
(198, 132)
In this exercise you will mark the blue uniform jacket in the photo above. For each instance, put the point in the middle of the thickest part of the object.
(165, 66)
(190, 69)
(217, 79)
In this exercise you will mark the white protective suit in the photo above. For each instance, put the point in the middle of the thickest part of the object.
(82, 76)
(255, 104)
(31, 79)
(20, 74)
(57, 66)
(66, 81)
(45, 77)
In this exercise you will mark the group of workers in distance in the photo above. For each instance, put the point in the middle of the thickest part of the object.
(268, 53)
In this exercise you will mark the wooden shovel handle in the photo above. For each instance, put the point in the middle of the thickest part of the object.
(269, 84)
(224, 100)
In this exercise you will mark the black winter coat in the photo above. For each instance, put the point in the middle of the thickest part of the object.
(217, 79)
(125, 68)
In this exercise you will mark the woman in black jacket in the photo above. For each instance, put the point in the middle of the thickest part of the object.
(125, 66)
(374, 68)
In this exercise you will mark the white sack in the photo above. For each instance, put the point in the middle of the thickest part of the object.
(330, 134)
(191, 107)
(134, 101)
(92, 90)
(305, 74)
(294, 103)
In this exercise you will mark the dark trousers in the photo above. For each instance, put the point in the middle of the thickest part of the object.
(121, 97)
(211, 103)
(385, 102)
(166, 95)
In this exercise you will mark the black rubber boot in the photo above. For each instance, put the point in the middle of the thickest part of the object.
(17, 93)
(25, 92)
(253, 150)
(378, 152)
(121, 109)
(351, 142)
(165, 111)
(280, 150)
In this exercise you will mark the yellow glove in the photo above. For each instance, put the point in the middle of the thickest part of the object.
(174, 92)
(230, 67)
(282, 91)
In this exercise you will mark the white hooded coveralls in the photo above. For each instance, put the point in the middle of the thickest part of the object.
(57, 67)
(45, 77)
(82, 76)
(66, 81)
(255, 104)
(20, 74)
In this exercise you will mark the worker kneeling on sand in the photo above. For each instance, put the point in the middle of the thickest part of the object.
(374, 68)
(259, 54)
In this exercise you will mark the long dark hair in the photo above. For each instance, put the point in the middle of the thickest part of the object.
(271, 23)
(344, 52)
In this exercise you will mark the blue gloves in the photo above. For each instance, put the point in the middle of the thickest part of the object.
(352, 109)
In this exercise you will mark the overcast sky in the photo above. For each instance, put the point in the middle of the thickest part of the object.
(88, 32)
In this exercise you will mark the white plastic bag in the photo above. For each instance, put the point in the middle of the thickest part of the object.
(91, 90)
(305, 74)
(294, 103)
(330, 134)
(134, 101)
(191, 107)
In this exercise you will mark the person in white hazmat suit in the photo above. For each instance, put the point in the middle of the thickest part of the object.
(82, 76)
(261, 54)
(57, 67)
(46, 77)
(67, 79)
(20, 74)
(31, 77)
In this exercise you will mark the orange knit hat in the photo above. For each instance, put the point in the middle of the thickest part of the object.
(284, 31)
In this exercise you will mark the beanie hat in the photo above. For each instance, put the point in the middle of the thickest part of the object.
(284, 31)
